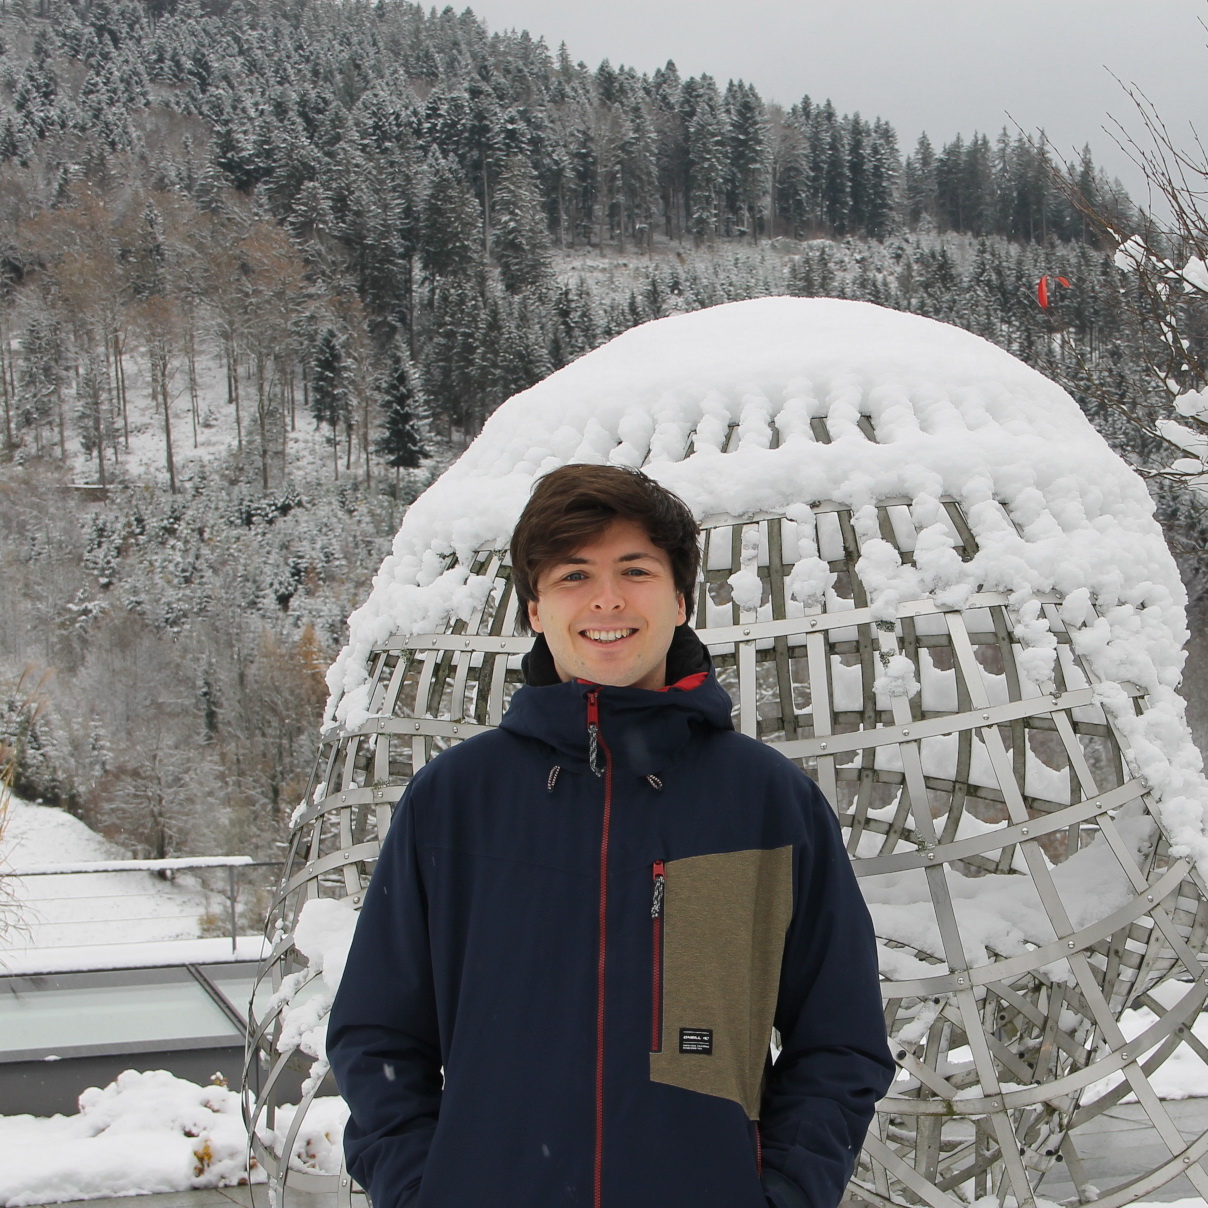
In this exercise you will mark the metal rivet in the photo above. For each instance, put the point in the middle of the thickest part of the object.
(1069, 943)
(746, 633)
(381, 725)
(1186, 1160)
(1023, 830)
(960, 981)
(357, 900)
(454, 729)
(347, 855)
(985, 717)
(343, 796)
(417, 725)
(813, 624)
(901, 1054)
(931, 855)
(822, 747)
(343, 1182)
(467, 643)
(905, 733)
(1149, 897)
(1124, 1054)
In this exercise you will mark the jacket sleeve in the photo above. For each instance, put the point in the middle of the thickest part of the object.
(834, 1062)
(382, 1036)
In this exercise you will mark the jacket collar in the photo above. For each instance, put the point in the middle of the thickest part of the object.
(644, 730)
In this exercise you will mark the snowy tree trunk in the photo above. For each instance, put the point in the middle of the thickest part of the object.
(5, 357)
(159, 372)
(62, 418)
(192, 362)
(232, 367)
(119, 381)
(262, 420)
(98, 413)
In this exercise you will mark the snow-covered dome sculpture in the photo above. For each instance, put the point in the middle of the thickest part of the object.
(930, 582)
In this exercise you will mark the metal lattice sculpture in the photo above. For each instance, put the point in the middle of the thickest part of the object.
(931, 584)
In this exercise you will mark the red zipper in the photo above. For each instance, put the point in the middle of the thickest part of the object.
(593, 727)
(758, 1150)
(659, 875)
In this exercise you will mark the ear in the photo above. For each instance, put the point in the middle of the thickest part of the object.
(534, 617)
(682, 615)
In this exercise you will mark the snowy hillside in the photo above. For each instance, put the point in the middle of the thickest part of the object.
(73, 921)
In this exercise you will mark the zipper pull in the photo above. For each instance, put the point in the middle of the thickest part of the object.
(593, 732)
(660, 885)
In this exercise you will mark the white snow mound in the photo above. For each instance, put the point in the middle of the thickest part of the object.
(1051, 506)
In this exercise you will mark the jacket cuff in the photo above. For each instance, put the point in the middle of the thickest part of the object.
(781, 1192)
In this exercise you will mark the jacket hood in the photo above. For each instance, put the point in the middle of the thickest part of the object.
(643, 729)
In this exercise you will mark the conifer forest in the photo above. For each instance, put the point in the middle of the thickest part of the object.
(267, 266)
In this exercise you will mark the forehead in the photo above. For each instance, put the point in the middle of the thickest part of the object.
(623, 540)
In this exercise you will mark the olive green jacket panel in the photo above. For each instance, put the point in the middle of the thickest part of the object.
(725, 916)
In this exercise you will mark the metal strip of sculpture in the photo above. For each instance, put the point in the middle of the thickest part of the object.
(929, 581)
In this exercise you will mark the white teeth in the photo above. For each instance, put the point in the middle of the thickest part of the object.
(607, 635)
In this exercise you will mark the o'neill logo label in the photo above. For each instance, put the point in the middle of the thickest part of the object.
(696, 1040)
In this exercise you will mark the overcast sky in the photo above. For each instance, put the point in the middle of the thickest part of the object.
(943, 66)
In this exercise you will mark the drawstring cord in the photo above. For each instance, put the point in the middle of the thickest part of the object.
(593, 749)
(654, 782)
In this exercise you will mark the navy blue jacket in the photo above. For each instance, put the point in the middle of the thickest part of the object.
(596, 958)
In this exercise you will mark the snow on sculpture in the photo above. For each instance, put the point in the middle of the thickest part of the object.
(930, 582)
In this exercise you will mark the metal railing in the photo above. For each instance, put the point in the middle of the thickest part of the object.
(233, 865)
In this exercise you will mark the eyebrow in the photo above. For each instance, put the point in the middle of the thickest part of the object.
(572, 560)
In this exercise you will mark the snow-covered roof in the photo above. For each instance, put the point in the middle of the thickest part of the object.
(825, 400)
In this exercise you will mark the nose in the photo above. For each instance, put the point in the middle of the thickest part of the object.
(609, 596)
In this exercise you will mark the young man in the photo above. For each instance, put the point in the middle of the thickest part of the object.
(591, 919)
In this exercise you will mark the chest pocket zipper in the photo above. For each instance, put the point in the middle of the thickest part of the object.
(657, 905)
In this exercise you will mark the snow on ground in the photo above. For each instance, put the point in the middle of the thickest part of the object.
(154, 1132)
(150, 1132)
(58, 920)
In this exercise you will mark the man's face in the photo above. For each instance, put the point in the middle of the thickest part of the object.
(609, 610)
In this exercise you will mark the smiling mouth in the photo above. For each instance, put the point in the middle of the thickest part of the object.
(605, 637)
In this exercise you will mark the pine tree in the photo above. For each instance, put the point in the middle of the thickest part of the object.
(883, 171)
(521, 243)
(41, 382)
(858, 173)
(836, 188)
(748, 154)
(448, 235)
(949, 184)
(639, 171)
(93, 411)
(919, 183)
(401, 441)
(706, 160)
(330, 396)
